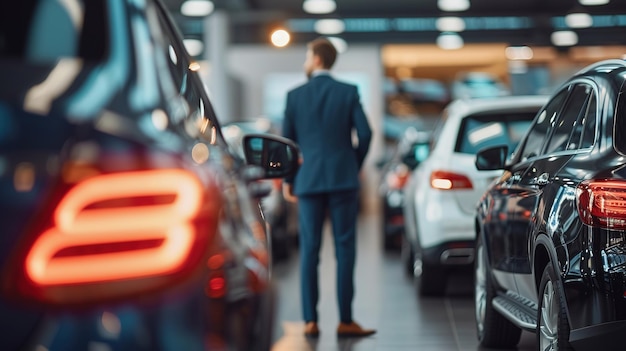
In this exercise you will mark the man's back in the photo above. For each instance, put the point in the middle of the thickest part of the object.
(320, 116)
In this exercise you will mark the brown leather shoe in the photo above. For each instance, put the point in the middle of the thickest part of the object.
(352, 330)
(311, 329)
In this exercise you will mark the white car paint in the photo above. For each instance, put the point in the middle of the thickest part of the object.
(436, 216)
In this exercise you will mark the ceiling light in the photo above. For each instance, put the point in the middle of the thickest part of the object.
(578, 20)
(329, 26)
(453, 5)
(450, 24)
(197, 8)
(450, 41)
(518, 53)
(564, 38)
(194, 46)
(319, 6)
(280, 38)
(593, 2)
(340, 45)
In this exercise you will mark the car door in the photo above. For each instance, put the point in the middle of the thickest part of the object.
(515, 199)
(551, 185)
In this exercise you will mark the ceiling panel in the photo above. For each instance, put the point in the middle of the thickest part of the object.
(253, 20)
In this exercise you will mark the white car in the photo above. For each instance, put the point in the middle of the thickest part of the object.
(442, 192)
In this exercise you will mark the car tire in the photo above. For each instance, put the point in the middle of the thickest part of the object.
(407, 256)
(493, 330)
(388, 239)
(430, 279)
(280, 247)
(552, 324)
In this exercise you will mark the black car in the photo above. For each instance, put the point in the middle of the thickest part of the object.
(125, 221)
(280, 214)
(551, 231)
(412, 148)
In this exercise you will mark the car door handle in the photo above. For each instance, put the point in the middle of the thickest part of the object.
(540, 180)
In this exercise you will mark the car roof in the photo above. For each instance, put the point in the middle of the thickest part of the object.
(463, 107)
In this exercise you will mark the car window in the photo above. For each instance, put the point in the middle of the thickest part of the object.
(568, 126)
(540, 130)
(45, 31)
(175, 57)
(435, 137)
(484, 130)
(200, 119)
(589, 123)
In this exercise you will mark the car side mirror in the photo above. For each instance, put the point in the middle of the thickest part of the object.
(277, 156)
(491, 158)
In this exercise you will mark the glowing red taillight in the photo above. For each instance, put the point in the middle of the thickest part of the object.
(397, 178)
(602, 203)
(121, 232)
(445, 180)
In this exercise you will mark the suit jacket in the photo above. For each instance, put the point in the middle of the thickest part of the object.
(320, 116)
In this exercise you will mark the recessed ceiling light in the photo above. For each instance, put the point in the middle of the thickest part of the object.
(340, 45)
(564, 38)
(453, 5)
(197, 8)
(280, 38)
(450, 41)
(329, 26)
(194, 46)
(450, 24)
(319, 6)
(593, 2)
(578, 20)
(518, 53)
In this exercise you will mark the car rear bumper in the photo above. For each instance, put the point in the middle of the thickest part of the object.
(454, 253)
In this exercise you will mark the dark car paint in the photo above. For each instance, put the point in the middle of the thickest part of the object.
(107, 105)
(527, 224)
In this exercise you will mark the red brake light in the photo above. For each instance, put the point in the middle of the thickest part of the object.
(445, 180)
(602, 203)
(397, 178)
(120, 228)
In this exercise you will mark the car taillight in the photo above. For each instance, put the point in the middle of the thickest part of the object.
(602, 203)
(397, 178)
(117, 234)
(445, 180)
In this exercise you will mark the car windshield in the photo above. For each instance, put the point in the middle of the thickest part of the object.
(485, 130)
(48, 30)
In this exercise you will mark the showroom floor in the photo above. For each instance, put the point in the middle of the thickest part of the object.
(385, 300)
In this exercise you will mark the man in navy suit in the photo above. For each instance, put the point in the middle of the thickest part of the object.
(321, 116)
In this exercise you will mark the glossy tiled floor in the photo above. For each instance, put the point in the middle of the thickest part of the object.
(385, 300)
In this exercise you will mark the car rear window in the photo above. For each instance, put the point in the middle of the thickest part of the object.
(484, 130)
(48, 30)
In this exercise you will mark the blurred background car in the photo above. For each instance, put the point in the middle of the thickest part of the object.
(550, 231)
(423, 90)
(412, 148)
(442, 191)
(280, 214)
(127, 223)
(470, 85)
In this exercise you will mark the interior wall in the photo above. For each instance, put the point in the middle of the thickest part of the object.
(251, 65)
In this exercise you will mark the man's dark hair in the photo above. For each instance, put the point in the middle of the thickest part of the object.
(325, 50)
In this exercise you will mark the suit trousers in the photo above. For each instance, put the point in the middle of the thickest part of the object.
(342, 208)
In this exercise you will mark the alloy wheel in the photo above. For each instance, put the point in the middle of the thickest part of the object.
(480, 290)
(548, 337)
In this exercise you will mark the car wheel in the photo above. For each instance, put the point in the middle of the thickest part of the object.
(492, 328)
(552, 325)
(388, 239)
(407, 256)
(431, 279)
(280, 246)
